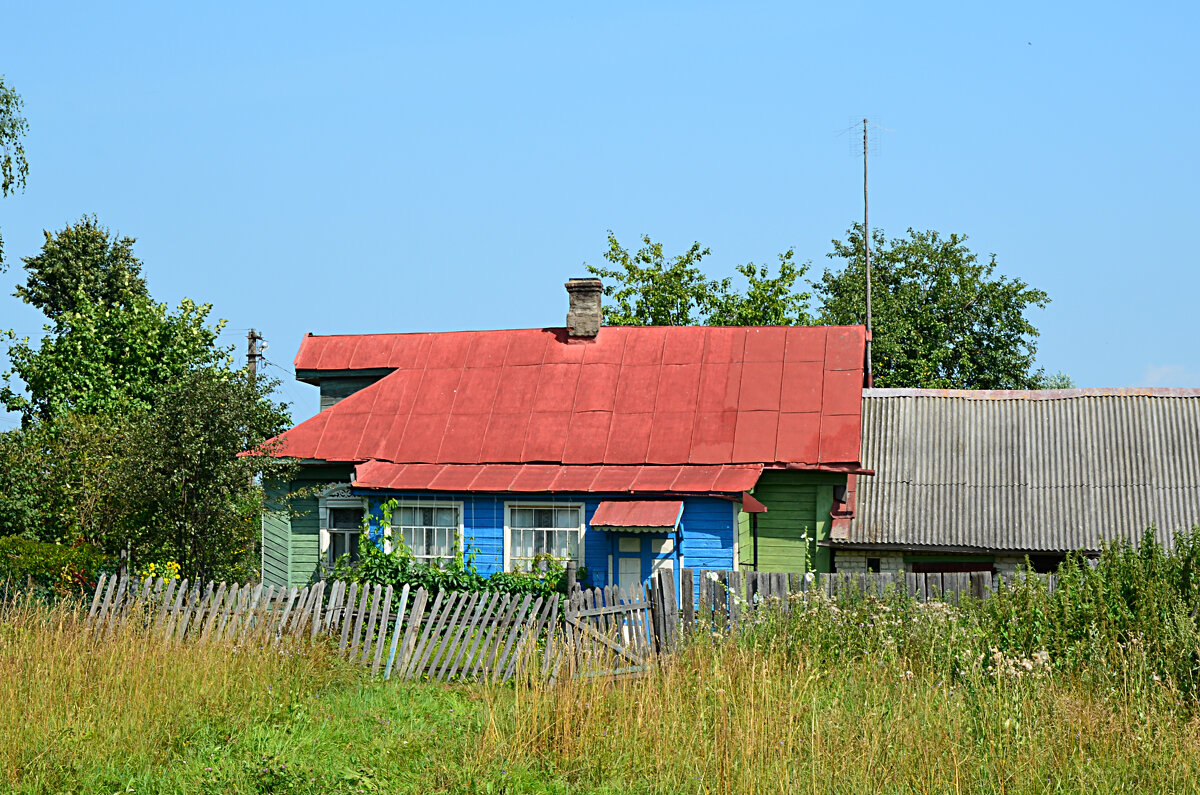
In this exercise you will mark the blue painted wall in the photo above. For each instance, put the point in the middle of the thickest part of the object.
(708, 528)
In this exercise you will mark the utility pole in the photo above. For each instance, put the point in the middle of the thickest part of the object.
(867, 249)
(253, 352)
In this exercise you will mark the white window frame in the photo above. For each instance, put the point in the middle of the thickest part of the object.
(335, 497)
(460, 530)
(508, 509)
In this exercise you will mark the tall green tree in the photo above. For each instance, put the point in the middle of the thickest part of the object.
(108, 345)
(82, 259)
(197, 500)
(133, 417)
(648, 288)
(14, 168)
(941, 318)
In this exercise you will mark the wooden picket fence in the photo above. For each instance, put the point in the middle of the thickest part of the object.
(405, 633)
(410, 634)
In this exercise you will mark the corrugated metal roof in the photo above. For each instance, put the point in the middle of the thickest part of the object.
(1051, 471)
(555, 478)
(632, 395)
(637, 513)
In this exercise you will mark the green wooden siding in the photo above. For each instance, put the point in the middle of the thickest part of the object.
(798, 503)
(276, 528)
(292, 540)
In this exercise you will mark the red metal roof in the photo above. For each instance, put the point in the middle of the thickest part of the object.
(632, 396)
(637, 513)
(555, 478)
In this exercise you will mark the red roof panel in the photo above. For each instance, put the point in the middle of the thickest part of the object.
(845, 348)
(724, 345)
(493, 477)
(643, 346)
(556, 388)
(628, 438)
(410, 351)
(535, 477)
(545, 438)
(761, 383)
(765, 344)
(656, 478)
(463, 439)
(527, 347)
(587, 437)
(755, 437)
(615, 478)
(638, 513)
(505, 438)
(720, 387)
(799, 439)
(516, 389)
(700, 478)
(489, 350)
(575, 478)
(679, 388)
(637, 389)
(805, 344)
(422, 438)
(436, 394)
(682, 344)
(840, 438)
(802, 385)
(670, 437)
(454, 478)
(371, 352)
(339, 349)
(597, 387)
(449, 350)
(842, 392)
(551, 478)
(712, 437)
(477, 390)
(736, 479)
(632, 396)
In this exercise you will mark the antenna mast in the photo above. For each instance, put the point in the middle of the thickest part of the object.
(867, 249)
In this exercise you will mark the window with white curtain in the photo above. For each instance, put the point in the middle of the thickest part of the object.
(432, 532)
(535, 532)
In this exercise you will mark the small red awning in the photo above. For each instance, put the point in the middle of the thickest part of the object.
(751, 505)
(638, 515)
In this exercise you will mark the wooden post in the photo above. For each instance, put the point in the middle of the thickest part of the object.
(687, 597)
(572, 570)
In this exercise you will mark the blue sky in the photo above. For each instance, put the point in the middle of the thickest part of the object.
(358, 168)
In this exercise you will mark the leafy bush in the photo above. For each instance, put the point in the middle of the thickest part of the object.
(1128, 622)
(398, 567)
(51, 567)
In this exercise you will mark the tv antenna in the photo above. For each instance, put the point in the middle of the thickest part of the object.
(870, 137)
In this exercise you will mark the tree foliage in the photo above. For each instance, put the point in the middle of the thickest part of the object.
(109, 345)
(133, 418)
(14, 168)
(941, 318)
(83, 262)
(647, 288)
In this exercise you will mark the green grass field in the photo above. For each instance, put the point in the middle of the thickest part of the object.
(874, 697)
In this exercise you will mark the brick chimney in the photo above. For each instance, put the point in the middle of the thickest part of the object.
(584, 316)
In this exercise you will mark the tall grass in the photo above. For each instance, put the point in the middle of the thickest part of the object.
(1091, 687)
(76, 707)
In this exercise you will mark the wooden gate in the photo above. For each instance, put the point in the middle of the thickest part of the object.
(614, 632)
